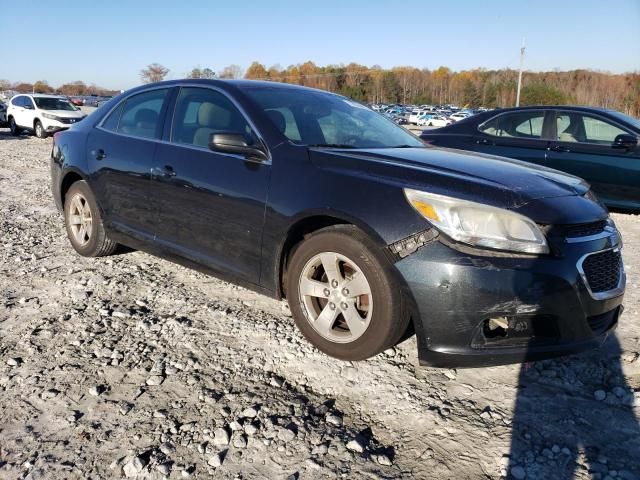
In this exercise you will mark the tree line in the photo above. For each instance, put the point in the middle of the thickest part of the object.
(411, 85)
(472, 88)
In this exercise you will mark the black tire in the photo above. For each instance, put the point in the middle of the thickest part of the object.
(390, 316)
(39, 129)
(98, 243)
(15, 130)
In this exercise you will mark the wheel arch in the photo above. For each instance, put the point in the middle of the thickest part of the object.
(69, 179)
(304, 226)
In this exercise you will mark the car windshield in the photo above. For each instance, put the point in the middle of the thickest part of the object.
(50, 103)
(626, 118)
(323, 119)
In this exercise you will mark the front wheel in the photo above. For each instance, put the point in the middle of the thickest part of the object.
(343, 294)
(40, 131)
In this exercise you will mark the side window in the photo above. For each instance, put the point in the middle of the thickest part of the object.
(526, 124)
(27, 102)
(141, 114)
(17, 101)
(285, 122)
(201, 112)
(111, 122)
(599, 131)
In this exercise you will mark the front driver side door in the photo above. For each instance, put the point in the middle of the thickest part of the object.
(210, 205)
(583, 146)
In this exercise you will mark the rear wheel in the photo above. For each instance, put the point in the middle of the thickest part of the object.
(343, 295)
(15, 130)
(84, 223)
(39, 129)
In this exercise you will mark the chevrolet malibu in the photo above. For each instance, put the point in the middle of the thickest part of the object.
(367, 232)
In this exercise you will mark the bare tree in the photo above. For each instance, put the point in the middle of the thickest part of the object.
(198, 72)
(153, 73)
(231, 71)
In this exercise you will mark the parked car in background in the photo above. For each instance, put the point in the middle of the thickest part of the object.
(3, 115)
(415, 115)
(437, 121)
(596, 144)
(77, 101)
(424, 118)
(368, 233)
(102, 100)
(459, 116)
(41, 114)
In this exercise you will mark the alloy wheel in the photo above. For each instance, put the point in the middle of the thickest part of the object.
(80, 220)
(336, 297)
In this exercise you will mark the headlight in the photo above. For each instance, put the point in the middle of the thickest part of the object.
(477, 224)
(51, 117)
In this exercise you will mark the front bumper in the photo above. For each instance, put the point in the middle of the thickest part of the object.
(545, 301)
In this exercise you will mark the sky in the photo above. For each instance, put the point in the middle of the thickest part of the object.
(108, 43)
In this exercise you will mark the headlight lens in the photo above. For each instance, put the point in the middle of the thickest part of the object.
(478, 224)
(51, 117)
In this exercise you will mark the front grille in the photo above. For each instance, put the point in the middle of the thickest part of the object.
(69, 120)
(602, 270)
(585, 230)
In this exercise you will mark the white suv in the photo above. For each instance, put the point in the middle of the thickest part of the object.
(42, 114)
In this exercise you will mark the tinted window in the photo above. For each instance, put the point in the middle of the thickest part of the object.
(27, 102)
(111, 122)
(17, 101)
(141, 114)
(285, 122)
(576, 127)
(200, 112)
(324, 118)
(50, 103)
(526, 124)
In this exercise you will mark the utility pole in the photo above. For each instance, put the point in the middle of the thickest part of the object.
(520, 73)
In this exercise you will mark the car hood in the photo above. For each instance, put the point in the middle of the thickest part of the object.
(502, 182)
(66, 113)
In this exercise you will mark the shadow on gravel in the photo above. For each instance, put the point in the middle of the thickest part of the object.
(574, 418)
(5, 134)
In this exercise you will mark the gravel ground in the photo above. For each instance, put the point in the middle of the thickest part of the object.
(130, 366)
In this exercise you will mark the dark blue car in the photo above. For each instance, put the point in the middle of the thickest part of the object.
(599, 145)
(368, 233)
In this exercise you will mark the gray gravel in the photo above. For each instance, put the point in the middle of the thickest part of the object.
(133, 367)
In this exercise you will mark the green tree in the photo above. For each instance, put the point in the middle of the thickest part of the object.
(540, 94)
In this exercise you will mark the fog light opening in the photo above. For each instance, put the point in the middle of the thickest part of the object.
(495, 327)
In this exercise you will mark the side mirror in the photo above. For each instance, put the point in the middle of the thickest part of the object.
(231, 142)
(624, 140)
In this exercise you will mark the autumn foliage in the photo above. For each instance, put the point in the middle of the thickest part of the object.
(474, 88)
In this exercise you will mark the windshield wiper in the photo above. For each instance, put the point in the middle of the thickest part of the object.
(331, 145)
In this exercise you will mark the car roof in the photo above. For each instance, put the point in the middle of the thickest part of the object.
(239, 84)
(42, 95)
(553, 107)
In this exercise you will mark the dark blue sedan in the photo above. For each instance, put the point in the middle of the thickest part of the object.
(369, 234)
(596, 144)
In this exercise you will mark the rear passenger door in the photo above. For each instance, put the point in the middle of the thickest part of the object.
(583, 145)
(120, 154)
(210, 205)
(520, 134)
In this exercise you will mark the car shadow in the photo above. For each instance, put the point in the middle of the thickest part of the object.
(5, 134)
(574, 418)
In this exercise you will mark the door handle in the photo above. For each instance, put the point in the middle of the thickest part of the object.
(99, 154)
(166, 171)
(558, 148)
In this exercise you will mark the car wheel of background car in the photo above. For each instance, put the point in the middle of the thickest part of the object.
(84, 223)
(40, 131)
(343, 295)
(15, 130)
